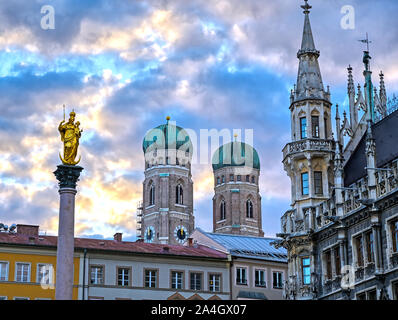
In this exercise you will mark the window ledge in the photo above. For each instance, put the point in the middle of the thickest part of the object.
(180, 205)
(241, 284)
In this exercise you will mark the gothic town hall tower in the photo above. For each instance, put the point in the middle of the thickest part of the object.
(308, 159)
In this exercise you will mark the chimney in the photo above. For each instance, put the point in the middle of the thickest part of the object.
(190, 242)
(28, 230)
(118, 237)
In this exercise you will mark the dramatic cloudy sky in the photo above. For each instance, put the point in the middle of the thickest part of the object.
(125, 65)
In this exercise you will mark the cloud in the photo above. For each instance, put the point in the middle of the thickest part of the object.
(125, 65)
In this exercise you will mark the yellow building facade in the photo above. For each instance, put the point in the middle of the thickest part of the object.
(28, 273)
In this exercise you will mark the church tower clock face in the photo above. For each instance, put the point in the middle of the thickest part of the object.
(180, 234)
(149, 234)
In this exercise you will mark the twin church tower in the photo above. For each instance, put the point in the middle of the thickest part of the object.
(167, 213)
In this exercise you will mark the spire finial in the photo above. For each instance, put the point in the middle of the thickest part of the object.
(306, 7)
(366, 41)
(235, 136)
(167, 119)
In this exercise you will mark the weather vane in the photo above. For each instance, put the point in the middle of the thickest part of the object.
(366, 41)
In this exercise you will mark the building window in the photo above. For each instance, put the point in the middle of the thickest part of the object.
(318, 182)
(45, 273)
(3, 271)
(259, 278)
(179, 194)
(196, 281)
(247, 178)
(176, 279)
(22, 272)
(249, 209)
(218, 180)
(328, 264)
(359, 250)
(231, 177)
(368, 295)
(304, 184)
(222, 179)
(277, 282)
(395, 290)
(369, 246)
(21, 298)
(152, 195)
(372, 295)
(394, 234)
(239, 177)
(3, 298)
(361, 296)
(337, 261)
(325, 124)
(97, 275)
(150, 278)
(306, 270)
(123, 277)
(222, 210)
(253, 179)
(315, 126)
(214, 282)
(241, 276)
(303, 128)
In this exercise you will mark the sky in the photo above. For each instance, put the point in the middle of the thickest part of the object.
(125, 65)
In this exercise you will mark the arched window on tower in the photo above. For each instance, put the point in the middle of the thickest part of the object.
(151, 195)
(249, 209)
(222, 210)
(179, 194)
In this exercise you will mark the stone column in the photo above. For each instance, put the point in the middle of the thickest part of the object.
(67, 177)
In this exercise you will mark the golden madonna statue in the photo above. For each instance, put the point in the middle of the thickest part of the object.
(70, 135)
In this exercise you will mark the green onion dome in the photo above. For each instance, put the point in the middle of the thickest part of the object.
(235, 154)
(167, 137)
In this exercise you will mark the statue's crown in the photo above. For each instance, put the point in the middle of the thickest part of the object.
(72, 113)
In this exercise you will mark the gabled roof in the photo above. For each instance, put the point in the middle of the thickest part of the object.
(249, 246)
(113, 246)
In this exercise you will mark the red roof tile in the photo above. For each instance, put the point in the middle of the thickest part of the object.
(113, 245)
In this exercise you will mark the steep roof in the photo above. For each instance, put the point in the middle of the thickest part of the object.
(113, 246)
(309, 78)
(249, 246)
(385, 134)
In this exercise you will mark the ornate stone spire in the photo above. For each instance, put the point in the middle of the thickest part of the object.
(309, 79)
(351, 98)
(383, 93)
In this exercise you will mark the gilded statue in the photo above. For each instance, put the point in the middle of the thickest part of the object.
(70, 135)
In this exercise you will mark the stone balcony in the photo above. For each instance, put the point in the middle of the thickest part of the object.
(308, 145)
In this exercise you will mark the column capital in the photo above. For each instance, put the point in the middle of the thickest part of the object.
(67, 176)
